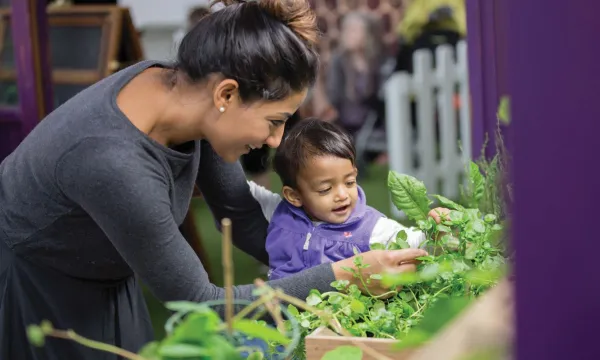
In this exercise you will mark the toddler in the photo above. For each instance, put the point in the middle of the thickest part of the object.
(322, 214)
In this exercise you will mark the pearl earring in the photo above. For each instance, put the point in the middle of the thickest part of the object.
(222, 109)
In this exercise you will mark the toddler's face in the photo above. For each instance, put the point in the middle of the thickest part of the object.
(327, 189)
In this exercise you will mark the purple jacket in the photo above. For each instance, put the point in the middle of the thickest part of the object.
(295, 243)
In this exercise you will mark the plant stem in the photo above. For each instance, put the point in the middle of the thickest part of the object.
(228, 270)
(272, 305)
(416, 299)
(441, 290)
(325, 294)
(248, 309)
(71, 335)
(393, 292)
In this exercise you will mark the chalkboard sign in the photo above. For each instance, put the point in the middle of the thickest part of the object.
(86, 43)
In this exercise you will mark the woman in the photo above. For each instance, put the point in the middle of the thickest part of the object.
(354, 76)
(91, 200)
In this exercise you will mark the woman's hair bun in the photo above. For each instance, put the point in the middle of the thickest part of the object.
(226, 2)
(296, 14)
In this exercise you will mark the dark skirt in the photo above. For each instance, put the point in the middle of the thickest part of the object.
(110, 312)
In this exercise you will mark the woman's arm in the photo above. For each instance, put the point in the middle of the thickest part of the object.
(226, 191)
(126, 194)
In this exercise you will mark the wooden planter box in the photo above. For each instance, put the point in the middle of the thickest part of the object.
(323, 340)
(487, 325)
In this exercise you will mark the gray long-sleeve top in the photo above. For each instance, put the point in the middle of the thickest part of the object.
(88, 194)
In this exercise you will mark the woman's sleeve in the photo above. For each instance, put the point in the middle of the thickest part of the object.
(127, 196)
(225, 188)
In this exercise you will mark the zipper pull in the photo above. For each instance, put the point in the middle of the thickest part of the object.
(307, 242)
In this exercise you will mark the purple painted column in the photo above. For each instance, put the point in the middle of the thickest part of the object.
(29, 28)
(30, 36)
(553, 81)
(486, 38)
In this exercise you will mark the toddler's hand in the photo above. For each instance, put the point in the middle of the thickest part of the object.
(438, 213)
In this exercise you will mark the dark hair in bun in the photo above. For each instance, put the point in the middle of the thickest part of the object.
(267, 46)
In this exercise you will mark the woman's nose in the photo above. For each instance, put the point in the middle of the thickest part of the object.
(274, 139)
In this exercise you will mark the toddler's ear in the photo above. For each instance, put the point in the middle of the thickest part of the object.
(292, 196)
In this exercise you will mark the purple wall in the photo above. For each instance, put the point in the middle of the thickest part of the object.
(553, 81)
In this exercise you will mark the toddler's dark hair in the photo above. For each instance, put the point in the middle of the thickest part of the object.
(307, 139)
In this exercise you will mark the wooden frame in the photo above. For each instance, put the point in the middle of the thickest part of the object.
(323, 340)
(116, 23)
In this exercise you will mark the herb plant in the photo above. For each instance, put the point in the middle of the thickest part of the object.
(466, 257)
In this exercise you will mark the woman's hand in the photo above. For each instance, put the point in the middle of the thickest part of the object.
(380, 262)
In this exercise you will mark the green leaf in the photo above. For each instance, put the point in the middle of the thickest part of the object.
(409, 195)
(484, 277)
(187, 306)
(402, 235)
(35, 335)
(413, 339)
(344, 352)
(182, 351)
(293, 310)
(46, 326)
(265, 332)
(448, 203)
(150, 351)
(404, 278)
(406, 296)
(313, 299)
(429, 272)
(477, 182)
(497, 227)
(479, 226)
(357, 306)
(220, 349)
(503, 113)
(456, 216)
(257, 355)
(305, 323)
(402, 244)
(195, 328)
(489, 218)
(443, 228)
(471, 252)
(376, 276)
(377, 246)
(441, 313)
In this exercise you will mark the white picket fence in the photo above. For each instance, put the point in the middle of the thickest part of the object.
(438, 162)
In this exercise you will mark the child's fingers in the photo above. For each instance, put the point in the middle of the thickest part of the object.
(438, 213)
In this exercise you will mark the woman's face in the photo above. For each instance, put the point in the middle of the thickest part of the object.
(242, 127)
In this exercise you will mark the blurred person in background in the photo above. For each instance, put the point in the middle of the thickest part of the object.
(428, 24)
(355, 75)
(195, 14)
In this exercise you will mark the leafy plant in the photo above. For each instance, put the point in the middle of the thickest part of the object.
(466, 258)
